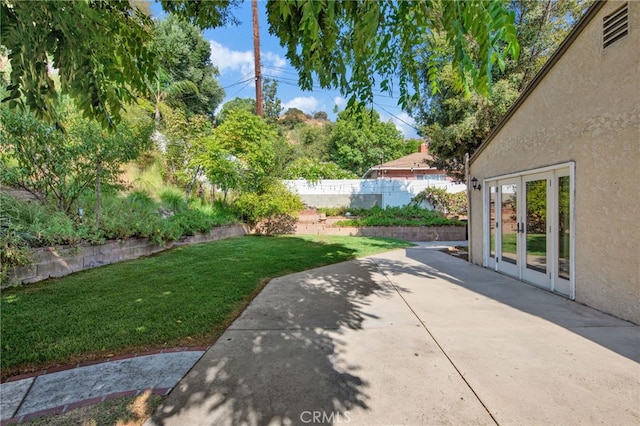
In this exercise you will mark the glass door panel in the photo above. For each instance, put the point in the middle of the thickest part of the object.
(493, 195)
(564, 228)
(509, 223)
(563, 235)
(536, 225)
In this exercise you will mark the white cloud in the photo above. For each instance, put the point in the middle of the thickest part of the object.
(307, 104)
(274, 60)
(340, 101)
(226, 59)
(404, 123)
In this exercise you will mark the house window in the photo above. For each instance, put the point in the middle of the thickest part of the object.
(615, 25)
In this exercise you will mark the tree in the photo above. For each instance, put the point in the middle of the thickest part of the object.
(187, 137)
(310, 140)
(292, 116)
(250, 141)
(101, 49)
(186, 75)
(60, 167)
(272, 104)
(360, 140)
(314, 170)
(379, 40)
(243, 104)
(320, 115)
(457, 123)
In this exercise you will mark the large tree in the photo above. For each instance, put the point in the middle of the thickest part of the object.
(356, 45)
(101, 48)
(186, 75)
(272, 104)
(360, 140)
(249, 142)
(457, 123)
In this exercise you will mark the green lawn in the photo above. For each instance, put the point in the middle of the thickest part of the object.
(186, 296)
(536, 244)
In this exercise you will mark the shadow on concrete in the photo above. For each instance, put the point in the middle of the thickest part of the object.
(613, 333)
(281, 362)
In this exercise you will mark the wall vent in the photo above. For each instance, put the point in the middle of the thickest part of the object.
(615, 25)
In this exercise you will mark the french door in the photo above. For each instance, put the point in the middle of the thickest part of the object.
(528, 227)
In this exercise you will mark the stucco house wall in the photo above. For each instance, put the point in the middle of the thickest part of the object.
(586, 110)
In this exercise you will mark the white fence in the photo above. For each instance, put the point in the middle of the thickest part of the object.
(364, 192)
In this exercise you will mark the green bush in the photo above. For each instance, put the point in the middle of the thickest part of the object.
(14, 247)
(441, 200)
(172, 201)
(411, 215)
(276, 203)
(192, 222)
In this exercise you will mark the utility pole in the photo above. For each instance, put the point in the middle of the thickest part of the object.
(256, 54)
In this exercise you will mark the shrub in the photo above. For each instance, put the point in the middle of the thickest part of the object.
(277, 203)
(14, 248)
(411, 215)
(172, 201)
(441, 200)
(192, 222)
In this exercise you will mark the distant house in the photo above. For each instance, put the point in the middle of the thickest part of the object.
(557, 197)
(412, 166)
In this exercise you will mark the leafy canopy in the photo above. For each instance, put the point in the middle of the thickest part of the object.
(379, 40)
(186, 74)
(360, 140)
(457, 124)
(101, 48)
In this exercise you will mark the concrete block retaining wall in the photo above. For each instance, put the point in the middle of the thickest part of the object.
(52, 262)
(408, 233)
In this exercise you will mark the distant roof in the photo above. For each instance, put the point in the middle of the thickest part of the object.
(415, 161)
(411, 161)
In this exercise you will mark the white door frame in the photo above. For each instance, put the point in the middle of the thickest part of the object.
(552, 174)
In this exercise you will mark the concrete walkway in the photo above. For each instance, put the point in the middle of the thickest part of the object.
(412, 337)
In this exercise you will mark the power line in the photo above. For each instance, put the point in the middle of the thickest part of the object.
(396, 117)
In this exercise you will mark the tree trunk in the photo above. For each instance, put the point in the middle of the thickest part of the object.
(98, 171)
(193, 181)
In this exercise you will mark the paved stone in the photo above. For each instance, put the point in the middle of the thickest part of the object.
(412, 337)
(11, 396)
(60, 389)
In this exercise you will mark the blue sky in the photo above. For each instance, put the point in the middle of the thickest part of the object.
(232, 53)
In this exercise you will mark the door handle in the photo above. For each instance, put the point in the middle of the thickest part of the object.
(517, 227)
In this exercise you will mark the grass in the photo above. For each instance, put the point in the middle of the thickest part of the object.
(536, 244)
(122, 411)
(186, 296)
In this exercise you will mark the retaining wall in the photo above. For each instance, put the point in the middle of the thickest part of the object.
(55, 262)
(408, 233)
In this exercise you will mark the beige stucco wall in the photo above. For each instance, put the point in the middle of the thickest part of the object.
(586, 110)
